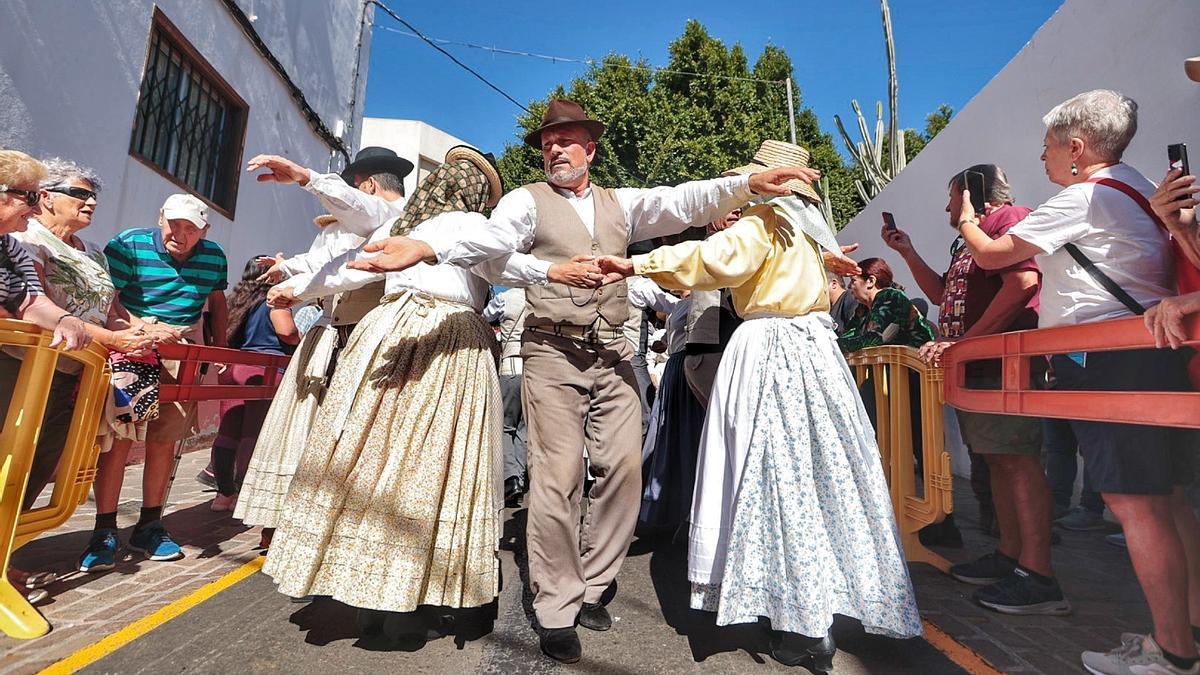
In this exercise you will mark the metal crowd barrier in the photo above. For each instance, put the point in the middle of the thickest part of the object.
(1018, 394)
(18, 438)
(889, 368)
(77, 467)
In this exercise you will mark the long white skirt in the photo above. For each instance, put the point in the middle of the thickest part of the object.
(286, 429)
(790, 492)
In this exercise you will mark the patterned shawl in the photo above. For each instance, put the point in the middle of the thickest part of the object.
(460, 186)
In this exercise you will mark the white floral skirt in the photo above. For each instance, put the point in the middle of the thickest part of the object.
(286, 429)
(395, 502)
(790, 492)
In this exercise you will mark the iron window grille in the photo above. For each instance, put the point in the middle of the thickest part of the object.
(190, 123)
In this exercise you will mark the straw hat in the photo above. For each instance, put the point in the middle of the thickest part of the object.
(486, 162)
(776, 154)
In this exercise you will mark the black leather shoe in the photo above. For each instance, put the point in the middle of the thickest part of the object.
(792, 649)
(561, 644)
(595, 616)
(512, 491)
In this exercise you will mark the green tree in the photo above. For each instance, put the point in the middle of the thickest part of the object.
(706, 111)
(935, 121)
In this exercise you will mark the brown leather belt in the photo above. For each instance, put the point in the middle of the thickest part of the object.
(588, 334)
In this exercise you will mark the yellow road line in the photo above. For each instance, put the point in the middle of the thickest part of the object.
(98, 650)
(963, 656)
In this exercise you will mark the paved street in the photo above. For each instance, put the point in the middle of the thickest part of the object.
(248, 627)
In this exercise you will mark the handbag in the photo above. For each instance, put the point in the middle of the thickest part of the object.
(135, 382)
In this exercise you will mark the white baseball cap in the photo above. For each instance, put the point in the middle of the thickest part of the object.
(186, 207)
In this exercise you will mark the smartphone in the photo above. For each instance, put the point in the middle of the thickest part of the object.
(1177, 156)
(889, 222)
(974, 182)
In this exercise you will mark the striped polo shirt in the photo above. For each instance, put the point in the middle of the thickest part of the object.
(150, 282)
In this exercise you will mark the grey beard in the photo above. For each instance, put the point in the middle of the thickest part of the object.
(566, 175)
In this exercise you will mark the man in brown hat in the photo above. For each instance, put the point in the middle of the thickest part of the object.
(578, 382)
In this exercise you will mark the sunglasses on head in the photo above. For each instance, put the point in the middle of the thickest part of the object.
(30, 196)
(82, 194)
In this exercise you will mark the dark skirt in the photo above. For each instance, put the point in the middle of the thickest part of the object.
(669, 453)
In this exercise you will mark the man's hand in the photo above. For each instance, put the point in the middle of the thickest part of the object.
(897, 240)
(580, 272)
(395, 254)
(770, 182)
(1165, 320)
(281, 297)
(840, 264)
(931, 352)
(71, 334)
(274, 274)
(281, 170)
(130, 341)
(614, 268)
(1175, 202)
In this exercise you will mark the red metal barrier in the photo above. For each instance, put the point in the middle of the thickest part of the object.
(1018, 396)
(189, 387)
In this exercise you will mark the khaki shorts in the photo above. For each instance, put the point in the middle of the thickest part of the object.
(989, 434)
(175, 421)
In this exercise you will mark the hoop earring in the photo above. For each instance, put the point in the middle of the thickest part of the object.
(1074, 169)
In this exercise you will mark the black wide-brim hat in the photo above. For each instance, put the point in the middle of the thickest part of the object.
(562, 112)
(374, 159)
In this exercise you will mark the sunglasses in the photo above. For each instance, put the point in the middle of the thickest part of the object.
(30, 196)
(82, 194)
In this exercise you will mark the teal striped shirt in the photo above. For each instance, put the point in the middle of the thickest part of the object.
(150, 282)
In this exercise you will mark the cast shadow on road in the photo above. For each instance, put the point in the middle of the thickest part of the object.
(668, 573)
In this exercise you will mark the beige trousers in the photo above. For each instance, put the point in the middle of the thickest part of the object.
(701, 371)
(579, 395)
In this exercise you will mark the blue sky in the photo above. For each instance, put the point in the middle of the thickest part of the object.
(945, 52)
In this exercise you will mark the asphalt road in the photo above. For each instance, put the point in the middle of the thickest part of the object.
(250, 628)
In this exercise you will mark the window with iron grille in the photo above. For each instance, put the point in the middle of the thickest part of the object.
(190, 123)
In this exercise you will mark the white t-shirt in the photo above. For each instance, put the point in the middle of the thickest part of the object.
(1112, 230)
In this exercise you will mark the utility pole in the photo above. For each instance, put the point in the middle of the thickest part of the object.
(791, 109)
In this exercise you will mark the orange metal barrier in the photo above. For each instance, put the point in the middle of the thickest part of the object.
(889, 369)
(1019, 396)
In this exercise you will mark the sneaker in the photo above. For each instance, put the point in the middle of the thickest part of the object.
(223, 502)
(1080, 519)
(206, 477)
(1117, 540)
(987, 570)
(153, 540)
(1134, 656)
(101, 553)
(1020, 593)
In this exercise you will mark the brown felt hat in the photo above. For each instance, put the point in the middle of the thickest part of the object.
(562, 112)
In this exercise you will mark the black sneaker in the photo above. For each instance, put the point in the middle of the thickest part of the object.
(1020, 593)
(987, 570)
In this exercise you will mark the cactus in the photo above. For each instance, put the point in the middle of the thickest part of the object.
(868, 154)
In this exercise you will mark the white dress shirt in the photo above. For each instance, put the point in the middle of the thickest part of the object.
(466, 240)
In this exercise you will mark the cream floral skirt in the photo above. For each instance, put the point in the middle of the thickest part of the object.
(396, 500)
(286, 429)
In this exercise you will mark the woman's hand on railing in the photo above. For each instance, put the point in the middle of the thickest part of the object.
(931, 352)
(71, 333)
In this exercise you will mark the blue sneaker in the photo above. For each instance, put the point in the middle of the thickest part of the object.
(101, 552)
(153, 540)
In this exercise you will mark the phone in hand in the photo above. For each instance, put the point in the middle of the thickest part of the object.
(1177, 157)
(973, 180)
(889, 222)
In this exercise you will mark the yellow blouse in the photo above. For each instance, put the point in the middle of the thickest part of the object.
(771, 266)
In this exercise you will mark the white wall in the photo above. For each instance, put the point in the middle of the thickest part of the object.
(423, 145)
(1137, 48)
(70, 71)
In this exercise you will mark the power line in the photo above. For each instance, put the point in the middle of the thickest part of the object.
(569, 59)
(450, 56)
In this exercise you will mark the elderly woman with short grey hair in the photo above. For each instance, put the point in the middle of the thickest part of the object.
(1104, 256)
